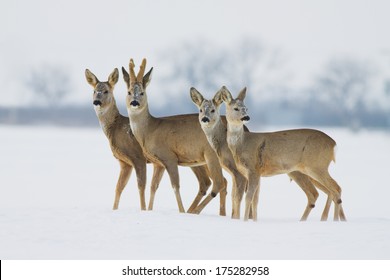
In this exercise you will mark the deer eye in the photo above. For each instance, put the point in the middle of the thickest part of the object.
(212, 111)
(141, 93)
(105, 92)
(201, 110)
(129, 93)
(235, 109)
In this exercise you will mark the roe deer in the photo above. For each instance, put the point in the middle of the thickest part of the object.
(300, 151)
(124, 146)
(171, 142)
(216, 133)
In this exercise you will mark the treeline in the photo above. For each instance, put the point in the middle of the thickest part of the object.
(270, 114)
(346, 92)
(42, 115)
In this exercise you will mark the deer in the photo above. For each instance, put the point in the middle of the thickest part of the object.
(170, 142)
(125, 147)
(299, 151)
(216, 133)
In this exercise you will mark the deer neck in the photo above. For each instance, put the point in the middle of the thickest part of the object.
(235, 136)
(107, 117)
(216, 135)
(141, 122)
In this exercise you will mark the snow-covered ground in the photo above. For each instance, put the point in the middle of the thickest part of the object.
(57, 190)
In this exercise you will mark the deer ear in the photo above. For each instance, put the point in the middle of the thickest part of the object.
(241, 96)
(226, 95)
(218, 98)
(196, 97)
(126, 76)
(147, 78)
(91, 78)
(113, 78)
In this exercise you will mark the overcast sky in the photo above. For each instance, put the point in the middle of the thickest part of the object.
(102, 35)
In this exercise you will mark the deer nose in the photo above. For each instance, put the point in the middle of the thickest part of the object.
(134, 103)
(246, 118)
(97, 103)
(205, 120)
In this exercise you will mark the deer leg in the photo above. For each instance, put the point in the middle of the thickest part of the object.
(338, 210)
(307, 186)
(210, 196)
(255, 203)
(173, 172)
(235, 199)
(158, 172)
(140, 171)
(218, 185)
(253, 187)
(201, 174)
(239, 187)
(124, 176)
(240, 184)
(342, 215)
(325, 212)
(222, 199)
(331, 185)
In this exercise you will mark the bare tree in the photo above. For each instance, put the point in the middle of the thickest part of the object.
(206, 66)
(343, 86)
(49, 83)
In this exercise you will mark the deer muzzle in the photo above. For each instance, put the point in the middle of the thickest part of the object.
(245, 119)
(205, 120)
(97, 103)
(134, 103)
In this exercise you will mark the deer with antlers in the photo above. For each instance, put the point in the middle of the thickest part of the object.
(125, 147)
(301, 151)
(216, 133)
(171, 142)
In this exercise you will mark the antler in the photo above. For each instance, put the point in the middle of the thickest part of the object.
(131, 68)
(141, 71)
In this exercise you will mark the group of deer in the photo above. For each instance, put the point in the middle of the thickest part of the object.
(208, 142)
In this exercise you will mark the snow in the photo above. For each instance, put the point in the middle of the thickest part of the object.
(57, 191)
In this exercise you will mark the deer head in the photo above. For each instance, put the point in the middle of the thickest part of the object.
(236, 111)
(208, 109)
(102, 91)
(136, 86)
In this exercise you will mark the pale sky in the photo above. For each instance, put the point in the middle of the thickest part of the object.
(102, 35)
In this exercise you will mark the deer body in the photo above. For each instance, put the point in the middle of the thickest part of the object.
(304, 154)
(171, 142)
(276, 152)
(170, 132)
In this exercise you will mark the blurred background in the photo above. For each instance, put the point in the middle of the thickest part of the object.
(305, 63)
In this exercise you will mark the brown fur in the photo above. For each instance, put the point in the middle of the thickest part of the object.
(295, 152)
